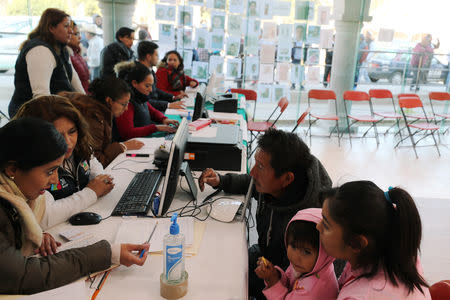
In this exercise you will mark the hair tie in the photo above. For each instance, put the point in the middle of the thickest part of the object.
(388, 198)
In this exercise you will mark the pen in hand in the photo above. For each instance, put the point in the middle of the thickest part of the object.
(149, 238)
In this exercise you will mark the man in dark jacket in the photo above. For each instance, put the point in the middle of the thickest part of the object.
(159, 99)
(117, 51)
(287, 178)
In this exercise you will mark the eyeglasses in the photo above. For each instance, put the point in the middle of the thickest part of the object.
(123, 104)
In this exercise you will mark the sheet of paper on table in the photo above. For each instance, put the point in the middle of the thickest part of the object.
(72, 291)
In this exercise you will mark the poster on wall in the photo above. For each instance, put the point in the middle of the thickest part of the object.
(217, 20)
(216, 4)
(234, 66)
(201, 37)
(269, 31)
(264, 93)
(234, 25)
(313, 74)
(297, 73)
(184, 38)
(252, 44)
(280, 91)
(326, 38)
(166, 33)
(266, 9)
(386, 35)
(299, 32)
(283, 72)
(313, 56)
(185, 15)
(216, 64)
(284, 51)
(164, 12)
(169, 1)
(266, 73)
(253, 8)
(282, 8)
(267, 53)
(216, 38)
(254, 27)
(197, 2)
(285, 33)
(301, 10)
(323, 15)
(233, 46)
(313, 36)
(236, 6)
(252, 67)
(200, 71)
(187, 57)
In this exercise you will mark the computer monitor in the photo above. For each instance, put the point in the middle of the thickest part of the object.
(176, 156)
(199, 107)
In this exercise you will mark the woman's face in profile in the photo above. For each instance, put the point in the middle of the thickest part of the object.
(62, 32)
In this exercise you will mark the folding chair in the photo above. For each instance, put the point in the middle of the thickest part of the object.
(326, 95)
(256, 128)
(379, 94)
(425, 127)
(301, 119)
(250, 95)
(439, 96)
(415, 116)
(440, 290)
(360, 96)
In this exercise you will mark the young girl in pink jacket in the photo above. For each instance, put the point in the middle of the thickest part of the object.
(379, 234)
(310, 274)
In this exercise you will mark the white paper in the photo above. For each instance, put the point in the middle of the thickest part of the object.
(264, 93)
(299, 32)
(216, 39)
(200, 71)
(164, 12)
(221, 116)
(252, 67)
(266, 73)
(218, 20)
(279, 91)
(205, 132)
(267, 55)
(86, 240)
(313, 56)
(178, 112)
(254, 27)
(386, 35)
(323, 15)
(216, 64)
(216, 4)
(269, 31)
(185, 15)
(236, 6)
(301, 10)
(284, 51)
(166, 33)
(72, 291)
(326, 38)
(285, 33)
(313, 34)
(234, 66)
(201, 38)
(74, 233)
(197, 2)
(283, 72)
(233, 45)
(252, 44)
(313, 74)
(253, 8)
(266, 9)
(234, 25)
(184, 38)
(282, 8)
(187, 56)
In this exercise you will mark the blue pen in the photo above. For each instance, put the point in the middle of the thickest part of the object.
(149, 238)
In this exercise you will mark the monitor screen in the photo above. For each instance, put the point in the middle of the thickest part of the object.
(199, 107)
(176, 157)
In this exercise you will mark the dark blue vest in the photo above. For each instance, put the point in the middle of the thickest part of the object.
(60, 80)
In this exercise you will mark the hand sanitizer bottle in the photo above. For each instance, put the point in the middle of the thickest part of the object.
(189, 117)
(173, 249)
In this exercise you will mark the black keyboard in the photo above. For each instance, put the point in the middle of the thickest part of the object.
(137, 199)
(169, 136)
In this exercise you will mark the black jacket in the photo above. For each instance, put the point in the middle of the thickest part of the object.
(60, 80)
(69, 184)
(273, 215)
(111, 55)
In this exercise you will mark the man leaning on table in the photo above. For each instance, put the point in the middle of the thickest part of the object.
(287, 178)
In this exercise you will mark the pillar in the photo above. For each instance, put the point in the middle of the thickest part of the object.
(116, 14)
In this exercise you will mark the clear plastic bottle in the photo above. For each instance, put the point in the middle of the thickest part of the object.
(173, 249)
(189, 117)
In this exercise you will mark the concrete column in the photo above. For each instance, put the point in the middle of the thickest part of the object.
(349, 16)
(116, 14)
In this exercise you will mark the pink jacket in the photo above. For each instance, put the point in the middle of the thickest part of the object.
(320, 283)
(376, 288)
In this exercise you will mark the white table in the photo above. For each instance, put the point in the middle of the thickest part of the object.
(218, 271)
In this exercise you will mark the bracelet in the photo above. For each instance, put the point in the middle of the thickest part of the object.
(124, 147)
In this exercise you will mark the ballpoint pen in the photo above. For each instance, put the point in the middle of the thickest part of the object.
(100, 285)
(149, 238)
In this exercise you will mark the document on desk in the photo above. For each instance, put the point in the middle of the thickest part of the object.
(72, 291)
(150, 145)
(137, 231)
(178, 112)
(221, 116)
(206, 132)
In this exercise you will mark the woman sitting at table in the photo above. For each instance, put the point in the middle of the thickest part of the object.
(24, 177)
(170, 75)
(79, 185)
(109, 99)
(141, 118)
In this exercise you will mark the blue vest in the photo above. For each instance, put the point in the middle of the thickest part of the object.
(60, 80)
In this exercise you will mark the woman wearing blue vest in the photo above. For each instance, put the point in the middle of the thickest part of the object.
(43, 66)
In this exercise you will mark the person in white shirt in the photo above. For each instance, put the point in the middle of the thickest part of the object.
(95, 41)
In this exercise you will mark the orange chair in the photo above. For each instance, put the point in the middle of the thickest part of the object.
(378, 94)
(256, 128)
(415, 116)
(250, 95)
(301, 119)
(326, 95)
(440, 290)
(439, 96)
(360, 96)
(426, 127)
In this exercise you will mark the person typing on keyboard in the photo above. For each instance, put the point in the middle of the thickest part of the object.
(24, 177)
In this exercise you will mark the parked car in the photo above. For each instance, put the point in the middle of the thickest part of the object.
(391, 66)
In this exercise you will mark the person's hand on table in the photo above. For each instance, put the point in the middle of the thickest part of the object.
(133, 144)
(170, 122)
(48, 245)
(129, 254)
(210, 177)
(101, 184)
(177, 105)
(180, 96)
(266, 271)
(193, 84)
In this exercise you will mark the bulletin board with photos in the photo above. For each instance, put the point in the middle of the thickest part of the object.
(259, 43)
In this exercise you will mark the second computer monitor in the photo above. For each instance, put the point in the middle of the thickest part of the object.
(176, 157)
(199, 107)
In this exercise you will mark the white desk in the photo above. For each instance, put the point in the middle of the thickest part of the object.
(218, 271)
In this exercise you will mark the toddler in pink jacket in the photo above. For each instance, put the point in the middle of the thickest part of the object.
(310, 274)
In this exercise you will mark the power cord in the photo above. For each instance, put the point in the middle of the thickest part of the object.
(114, 168)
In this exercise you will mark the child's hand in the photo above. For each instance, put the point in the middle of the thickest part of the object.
(267, 271)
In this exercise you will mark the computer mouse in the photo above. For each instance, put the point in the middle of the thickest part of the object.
(85, 218)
